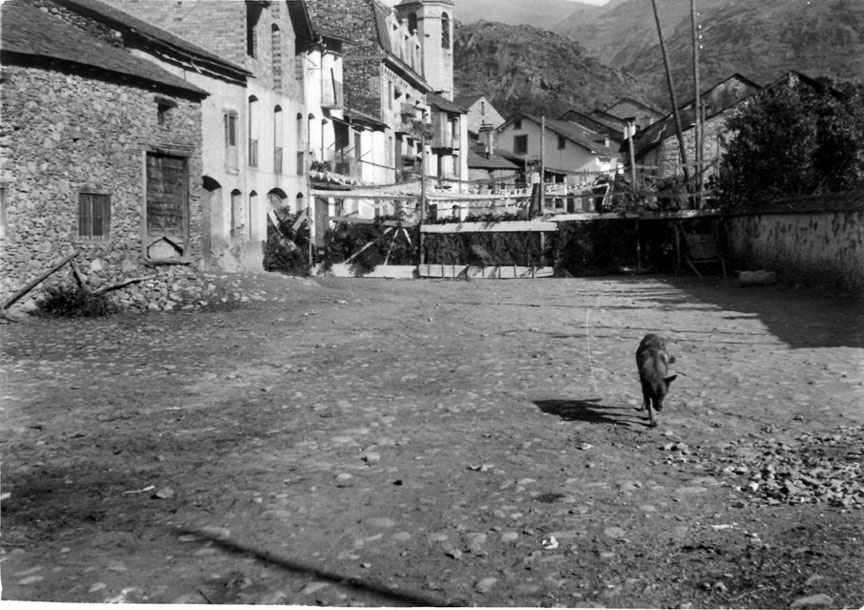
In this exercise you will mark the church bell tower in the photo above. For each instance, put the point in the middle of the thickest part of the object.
(434, 21)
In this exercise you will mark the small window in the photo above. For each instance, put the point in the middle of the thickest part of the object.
(520, 145)
(445, 31)
(163, 108)
(253, 15)
(562, 142)
(517, 124)
(231, 157)
(94, 215)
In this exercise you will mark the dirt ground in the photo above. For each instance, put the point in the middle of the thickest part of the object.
(421, 443)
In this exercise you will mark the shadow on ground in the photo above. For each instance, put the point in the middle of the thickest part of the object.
(385, 595)
(591, 411)
(801, 317)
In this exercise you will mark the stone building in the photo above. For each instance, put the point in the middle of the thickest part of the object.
(255, 127)
(481, 114)
(100, 153)
(656, 148)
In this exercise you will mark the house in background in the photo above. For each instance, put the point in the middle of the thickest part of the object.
(572, 153)
(657, 146)
(449, 142)
(102, 154)
(611, 128)
(481, 114)
(629, 110)
(254, 121)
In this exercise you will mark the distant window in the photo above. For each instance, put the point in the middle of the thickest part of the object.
(231, 158)
(276, 56)
(236, 213)
(517, 124)
(412, 22)
(445, 31)
(520, 145)
(253, 131)
(483, 108)
(94, 215)
(253, 15)
(562, 142)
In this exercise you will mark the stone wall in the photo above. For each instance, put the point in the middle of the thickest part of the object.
(68, 130)
(220, 27)
(668, 157)
(815, 246)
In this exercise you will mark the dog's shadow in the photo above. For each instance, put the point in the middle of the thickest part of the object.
(590, 410)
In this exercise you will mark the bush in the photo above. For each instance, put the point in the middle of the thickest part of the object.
(347, 239)
(287, 250)
(69, 302)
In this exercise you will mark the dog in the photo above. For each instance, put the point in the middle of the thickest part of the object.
(653, 362)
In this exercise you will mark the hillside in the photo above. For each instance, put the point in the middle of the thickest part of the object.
(522, 68)
(759, 40)
(539, 13)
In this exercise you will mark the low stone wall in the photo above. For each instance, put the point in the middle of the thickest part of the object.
(810, 245)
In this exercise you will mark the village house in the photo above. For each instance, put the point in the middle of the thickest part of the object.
(481, 114)
(656, 148)
(101, 155)
(571, 153)
(628, 111)
(255, 122)
(611, 128)
(398, 73)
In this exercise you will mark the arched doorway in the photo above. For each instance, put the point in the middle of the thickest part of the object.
(212, 224)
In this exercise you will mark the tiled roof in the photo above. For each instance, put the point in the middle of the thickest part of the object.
(27, 30)
(467, 101)
(443, 103)
(582, 136)
(720, 98)
(480, 161)
(117, 18)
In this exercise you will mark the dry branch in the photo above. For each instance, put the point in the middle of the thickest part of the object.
(15, 297)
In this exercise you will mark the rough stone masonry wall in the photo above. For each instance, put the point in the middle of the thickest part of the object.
(669, 156)
(71, 130)
(824, 247)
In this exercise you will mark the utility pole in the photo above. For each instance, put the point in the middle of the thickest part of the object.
(681, 148)
(542, 188)
(420, 240)
(697, 104)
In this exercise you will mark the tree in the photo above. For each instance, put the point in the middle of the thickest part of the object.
(793, 140)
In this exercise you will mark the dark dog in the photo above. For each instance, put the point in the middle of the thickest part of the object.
(653, 362)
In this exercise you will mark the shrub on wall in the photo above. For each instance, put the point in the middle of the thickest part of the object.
(287, 249)
(347, 240)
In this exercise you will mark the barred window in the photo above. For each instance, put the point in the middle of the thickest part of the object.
(94, 215)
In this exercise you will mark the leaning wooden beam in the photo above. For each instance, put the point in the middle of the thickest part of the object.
(21, 293)
(369, 245)
(123, 284)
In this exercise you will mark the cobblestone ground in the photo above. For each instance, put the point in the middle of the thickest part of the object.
(371, 442)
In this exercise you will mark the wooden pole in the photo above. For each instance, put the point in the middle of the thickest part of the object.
(422, 240)
(697, 105)
(631, 127)
(542, 165)
(681, 148)
(31, 285)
